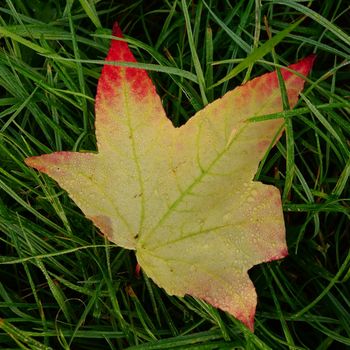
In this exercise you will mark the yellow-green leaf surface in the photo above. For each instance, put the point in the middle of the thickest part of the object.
(183, 198)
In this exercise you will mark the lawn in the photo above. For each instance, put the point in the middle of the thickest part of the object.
(62, 285)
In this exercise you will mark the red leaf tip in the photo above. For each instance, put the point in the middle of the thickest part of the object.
(35, 162)
(304, 65)
(309, 61)
(116, 31)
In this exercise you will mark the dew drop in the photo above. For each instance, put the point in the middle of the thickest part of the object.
(227, 217)
(200, 221)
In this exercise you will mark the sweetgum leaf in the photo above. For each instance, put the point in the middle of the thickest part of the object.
(183, 198)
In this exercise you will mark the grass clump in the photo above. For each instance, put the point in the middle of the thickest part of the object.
(62, 286)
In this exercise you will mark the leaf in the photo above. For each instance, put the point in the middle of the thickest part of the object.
(183, 198)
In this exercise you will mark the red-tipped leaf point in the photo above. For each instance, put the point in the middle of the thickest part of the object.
(183, 198)
(113, 76)
(303, 67)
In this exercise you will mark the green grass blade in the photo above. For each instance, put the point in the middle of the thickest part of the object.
(89, 8)
(259, 52)
(327, 24)
(196, 62)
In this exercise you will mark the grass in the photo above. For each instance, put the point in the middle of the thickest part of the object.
(62, 286)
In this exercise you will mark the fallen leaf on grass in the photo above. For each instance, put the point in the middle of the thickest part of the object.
(183, 198)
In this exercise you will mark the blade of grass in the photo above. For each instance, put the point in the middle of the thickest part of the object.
(317, 18)
(259, 52)
(89, 8)
(196, 62)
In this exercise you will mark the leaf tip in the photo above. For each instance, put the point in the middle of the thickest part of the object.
(247, 319)
(116, 31)
(50, 164)
(303, 66)
(250, 321)
(311, 59)
(282, 254)
(36, 163)
(308, 62)
(113, 76)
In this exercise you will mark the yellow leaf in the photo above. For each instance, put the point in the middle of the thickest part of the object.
(183, 198)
